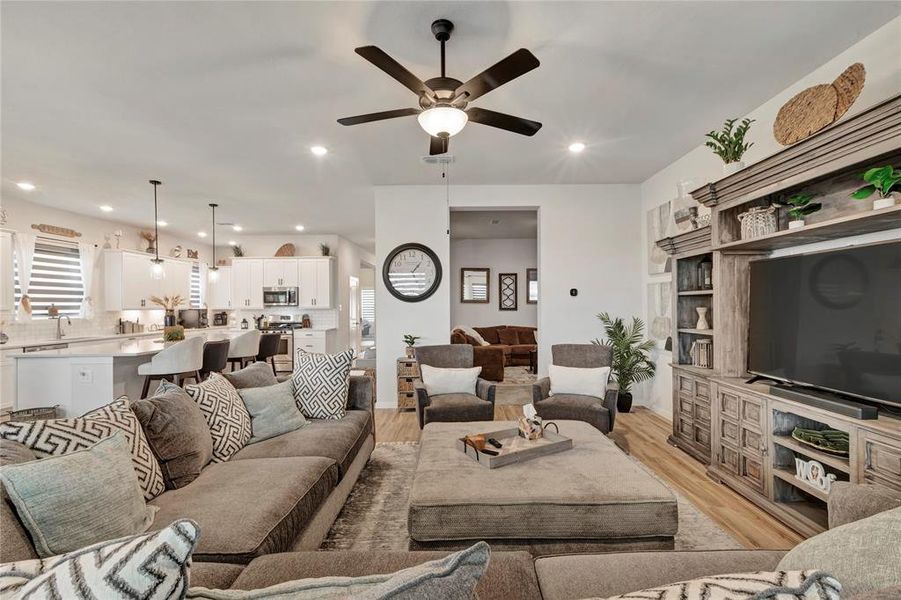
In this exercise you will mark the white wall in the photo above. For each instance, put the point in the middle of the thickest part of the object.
(587, 241)
(880, 52)
(501, 256)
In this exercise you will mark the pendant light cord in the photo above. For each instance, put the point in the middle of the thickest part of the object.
(446, 175)
(156, 222)
(213, 206)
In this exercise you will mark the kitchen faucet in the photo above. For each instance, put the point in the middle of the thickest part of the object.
(59, 327)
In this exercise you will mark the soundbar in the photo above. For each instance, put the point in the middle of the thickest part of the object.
(826, 401)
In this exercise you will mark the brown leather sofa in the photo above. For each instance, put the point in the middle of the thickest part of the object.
(490, 358)
(510, 345)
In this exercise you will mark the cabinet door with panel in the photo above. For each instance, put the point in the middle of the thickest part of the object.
(219, 292)
(324, 280)
(137, 285)
(880, 459)
(280, 272)
(7, 281)
(247, 283)
(306, 294)
(740, 442)
(691, 414)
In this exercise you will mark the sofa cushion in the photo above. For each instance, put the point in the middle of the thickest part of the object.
(177, 433)
(83, 497)
(16, 544)
(849, 502)
(224, 412)
(508, 337)
(568, 577)
(214, 575)
(509, 574)
(522, 349)
(864, 555)
(489, 334)
(321, 383)
(258, 374)
(338, 439)
(247, 508)
(526, 335)
(575, 407)
(458, 407)
(273, 411)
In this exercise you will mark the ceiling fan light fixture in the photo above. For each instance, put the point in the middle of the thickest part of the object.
(443, 121)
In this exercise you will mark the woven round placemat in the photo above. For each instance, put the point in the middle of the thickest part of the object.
(848, 85)
(285, 250)
(805, 114)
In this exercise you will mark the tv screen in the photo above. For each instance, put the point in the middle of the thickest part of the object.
(831, 320)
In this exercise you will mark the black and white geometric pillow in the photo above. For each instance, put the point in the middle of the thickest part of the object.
(151, 566)
(54, 437)
(321, 382)
(776, 585)
(224, 412)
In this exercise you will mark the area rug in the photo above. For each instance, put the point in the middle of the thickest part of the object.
(375, 515)
(516, 388)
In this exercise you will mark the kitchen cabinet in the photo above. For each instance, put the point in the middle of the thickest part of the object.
(7, 280)
(691, 412)
(8, 380)
(219, 292)
(247, 283)
(314, 341)
(128, 284)
(280, 272)
(316, 283)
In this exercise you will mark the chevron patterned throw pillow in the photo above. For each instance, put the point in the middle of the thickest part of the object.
(321, 382)
(54, 437)
(224, 412)
(777, 585)
(152, 566)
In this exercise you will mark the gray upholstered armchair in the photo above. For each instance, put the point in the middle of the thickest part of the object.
(452, 407)
(600, 412)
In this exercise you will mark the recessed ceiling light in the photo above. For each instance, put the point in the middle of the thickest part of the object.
(232, 243)
(237, 228)
(299, 227)
(201, 234)
(576, 147)
(26, 185)
(162, 223)
(495, 221)
(106, 208)
(319, 150)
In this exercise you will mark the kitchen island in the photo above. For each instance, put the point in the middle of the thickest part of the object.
(86, 376)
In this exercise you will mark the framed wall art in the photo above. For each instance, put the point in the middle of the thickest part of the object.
(507, 299)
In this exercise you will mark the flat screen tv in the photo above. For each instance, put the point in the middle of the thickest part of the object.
(830, 320)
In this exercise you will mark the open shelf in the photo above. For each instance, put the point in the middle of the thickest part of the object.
(788, 476)
(697, 331)
(696, 293)
(704, 371)
(835, 461)
(853, 224)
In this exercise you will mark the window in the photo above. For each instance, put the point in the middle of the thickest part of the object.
(196, 300)
(55, 279)
(367, 298)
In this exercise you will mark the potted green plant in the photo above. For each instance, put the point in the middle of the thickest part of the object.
(800, 206)
(410, 341)
(324, 249)
(729, 144)
(881, 180)
(237, 250)
(631, 359)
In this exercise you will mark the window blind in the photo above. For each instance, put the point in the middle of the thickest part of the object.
(367, 301)
(196, 301)
(55, 279)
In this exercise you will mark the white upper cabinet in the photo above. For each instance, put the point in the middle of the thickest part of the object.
(219, 292)
(128, 284)
(316, 282)
(280, 272)
(7, 278)
(247, 283)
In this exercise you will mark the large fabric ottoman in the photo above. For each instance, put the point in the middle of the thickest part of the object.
(590, 498)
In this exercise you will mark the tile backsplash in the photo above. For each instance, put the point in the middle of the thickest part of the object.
(103, 323)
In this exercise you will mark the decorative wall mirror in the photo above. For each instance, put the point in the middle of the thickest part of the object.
(531, 286)
(507, 291)
(474, 287)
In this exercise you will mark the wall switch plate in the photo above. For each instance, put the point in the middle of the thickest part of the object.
(85, 376)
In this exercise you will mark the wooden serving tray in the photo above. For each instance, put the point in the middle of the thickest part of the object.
(515, 449)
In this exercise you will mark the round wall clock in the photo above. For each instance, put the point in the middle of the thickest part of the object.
(412, 272)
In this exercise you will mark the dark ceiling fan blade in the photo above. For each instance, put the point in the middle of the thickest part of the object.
(502, 121)
(380, 58)
(519, 63)
(379, 116)
(437, 145)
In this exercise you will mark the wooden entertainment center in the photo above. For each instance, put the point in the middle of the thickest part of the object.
(741, 430)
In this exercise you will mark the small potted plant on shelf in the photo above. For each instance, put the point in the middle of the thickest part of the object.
(631, 359)
(799, 206)
(410, 341)
(881, 180)
(729, 144)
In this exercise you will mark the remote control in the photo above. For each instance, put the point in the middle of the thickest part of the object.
(495, 443)
(489, 452)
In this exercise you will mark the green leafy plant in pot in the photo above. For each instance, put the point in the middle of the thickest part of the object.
(729, 144)
(800, 206)
(881, 180)
(631, 359)
(410, 341)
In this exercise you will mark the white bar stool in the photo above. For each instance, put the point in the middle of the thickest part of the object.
(182, 359)
(243, 349)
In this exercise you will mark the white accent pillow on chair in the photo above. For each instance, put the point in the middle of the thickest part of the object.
(572, 380)
(449, 381)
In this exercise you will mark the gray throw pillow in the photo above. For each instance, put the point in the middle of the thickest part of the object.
(864, 555)
(258, 374)
(453, 577)
(70, 501)
(321, 382)
(272, 411)
(177, 433)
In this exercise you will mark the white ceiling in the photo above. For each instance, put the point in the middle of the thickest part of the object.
(493, 224)
(221, 100)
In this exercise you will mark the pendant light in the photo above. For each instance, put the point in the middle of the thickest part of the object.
(213, 270)
(156, 263)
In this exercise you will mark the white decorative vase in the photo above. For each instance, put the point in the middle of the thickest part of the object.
(796, 224)
(410, 352)
(884, 202)
(702, 318)
(733, 167)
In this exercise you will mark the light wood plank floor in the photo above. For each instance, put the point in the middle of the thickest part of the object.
(644, 432)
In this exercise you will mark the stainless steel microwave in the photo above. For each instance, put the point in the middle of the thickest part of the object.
(279, 296)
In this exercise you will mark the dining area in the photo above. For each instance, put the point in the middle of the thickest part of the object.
(82, 377)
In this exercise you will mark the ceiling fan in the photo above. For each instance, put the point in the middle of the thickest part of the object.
(444, 101)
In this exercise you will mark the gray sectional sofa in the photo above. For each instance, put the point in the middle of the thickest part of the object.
(277, 495)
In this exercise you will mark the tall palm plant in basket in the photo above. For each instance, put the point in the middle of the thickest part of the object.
(631, 355)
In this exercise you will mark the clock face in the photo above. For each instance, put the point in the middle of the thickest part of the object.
(412, 272)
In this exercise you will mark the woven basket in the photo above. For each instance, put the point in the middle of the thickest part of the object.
(29, 415)
(757, 222)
